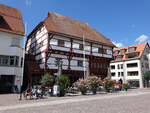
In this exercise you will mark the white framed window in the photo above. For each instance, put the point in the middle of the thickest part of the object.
(15, 42)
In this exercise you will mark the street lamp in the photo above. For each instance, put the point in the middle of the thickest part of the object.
(59, 63)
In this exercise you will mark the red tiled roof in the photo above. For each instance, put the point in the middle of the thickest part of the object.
(139, 49)
(62, 24)
(12, 18)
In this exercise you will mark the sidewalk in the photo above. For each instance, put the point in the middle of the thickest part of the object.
(13, 99)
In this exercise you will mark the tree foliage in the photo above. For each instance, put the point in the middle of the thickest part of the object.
(147, 77)
(47, 80)
(63, 81)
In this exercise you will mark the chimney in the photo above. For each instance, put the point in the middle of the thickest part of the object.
(49, 13)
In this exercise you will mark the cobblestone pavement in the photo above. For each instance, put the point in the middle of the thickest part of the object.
(134, 101)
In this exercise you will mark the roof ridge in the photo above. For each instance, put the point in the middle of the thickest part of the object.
(59, 23)
(130, 46)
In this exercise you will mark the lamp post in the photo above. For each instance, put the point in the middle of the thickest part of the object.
(23, 61)
(59, 64)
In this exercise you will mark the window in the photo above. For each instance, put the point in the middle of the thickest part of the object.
(132, 65)
(118, 74)
(122, 74)
(122, 51)
(9, 60)
(5, 60)
(133, 73)
(146, 65)
(12, 60)
(17, 61)
(119, 58)
(145, 58)
(132, 55)
(104, 51)
(113, 74)
(100, 50)
(61, 43)
(121, 66)
(131, 49)
(118, 66)
(15, 42)
(116, 52)
(40, 44)
(112, 66)
(109, 52)
(80, 63)
(81, 46)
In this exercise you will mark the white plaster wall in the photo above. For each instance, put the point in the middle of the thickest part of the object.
(41, 36)
(7, 49)
(125, 78)
(87, 47)
(116, 70)
(73, 62)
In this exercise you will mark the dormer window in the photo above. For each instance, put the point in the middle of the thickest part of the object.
(131, 49)
(116, 52)
(132, 55)
(119, 58)
(122, 51)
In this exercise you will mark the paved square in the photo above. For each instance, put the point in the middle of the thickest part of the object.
(135, 101)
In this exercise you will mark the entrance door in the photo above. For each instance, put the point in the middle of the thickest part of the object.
(6, 83)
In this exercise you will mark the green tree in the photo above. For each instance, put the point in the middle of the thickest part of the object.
(147, 77)
(47, 80)
(64, 83)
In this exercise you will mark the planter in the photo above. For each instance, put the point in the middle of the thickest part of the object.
(62, 93)
(94, 91)
(50, 94)
(107, 90)
(126, 89)
(83, 92)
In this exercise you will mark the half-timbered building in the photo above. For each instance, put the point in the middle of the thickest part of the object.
(79, 48)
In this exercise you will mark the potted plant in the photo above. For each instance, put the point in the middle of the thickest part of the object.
(147, 78)
(47, 81)
(82, 86)
(93, 83)
(108, 84)
(126, 86)
(64, 83)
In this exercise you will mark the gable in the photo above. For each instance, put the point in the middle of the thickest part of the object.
(4, 24)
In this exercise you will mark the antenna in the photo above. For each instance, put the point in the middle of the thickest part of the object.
(23, 60)
(84, 34)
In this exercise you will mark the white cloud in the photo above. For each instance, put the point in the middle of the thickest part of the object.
(118, 44)
(28, 3)
(142, 38)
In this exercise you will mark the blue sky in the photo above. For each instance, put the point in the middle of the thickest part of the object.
(125, 22)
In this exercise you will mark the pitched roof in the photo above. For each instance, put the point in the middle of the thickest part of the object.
(65, 25)
(139, 48)
(11, 20)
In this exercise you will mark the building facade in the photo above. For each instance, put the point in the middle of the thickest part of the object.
(130, 63)
(11, 52)
(78, 48)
